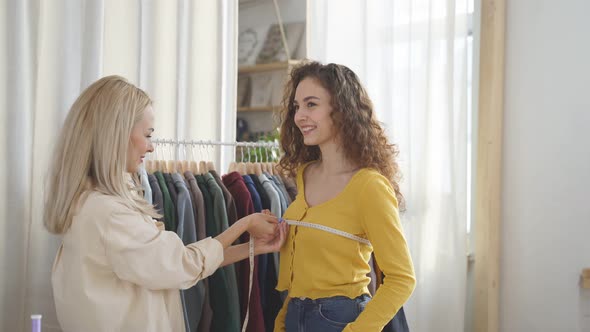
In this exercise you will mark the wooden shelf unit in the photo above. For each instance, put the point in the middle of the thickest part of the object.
(258, 109)
(263, 67)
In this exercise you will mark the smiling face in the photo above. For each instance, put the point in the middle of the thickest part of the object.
(140, 140)
(313, 113)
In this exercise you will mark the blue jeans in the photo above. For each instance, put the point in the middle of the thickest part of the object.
(330, 314)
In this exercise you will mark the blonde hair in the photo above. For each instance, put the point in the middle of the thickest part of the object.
(91, 153)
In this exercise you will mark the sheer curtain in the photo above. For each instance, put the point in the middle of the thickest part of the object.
(412, 57)
(51, 51)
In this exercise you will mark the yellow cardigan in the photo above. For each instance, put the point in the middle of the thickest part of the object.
(317, 264)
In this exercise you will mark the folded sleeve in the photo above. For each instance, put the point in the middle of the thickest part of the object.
(383, 228)
(142, 254)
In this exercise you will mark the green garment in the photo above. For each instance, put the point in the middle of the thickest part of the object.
(226, 310)
(169, 209)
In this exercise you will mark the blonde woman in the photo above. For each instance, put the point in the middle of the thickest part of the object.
(115, 270)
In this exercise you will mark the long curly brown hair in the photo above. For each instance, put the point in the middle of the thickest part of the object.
(363, 139)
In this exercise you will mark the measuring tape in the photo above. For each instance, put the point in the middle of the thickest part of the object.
(251, 278)
(326, 229)
(292, 223)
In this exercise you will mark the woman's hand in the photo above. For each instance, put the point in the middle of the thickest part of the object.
(263, 226)
(262, 246)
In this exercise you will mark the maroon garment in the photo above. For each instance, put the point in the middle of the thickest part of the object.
(244, 206)
(237, 188)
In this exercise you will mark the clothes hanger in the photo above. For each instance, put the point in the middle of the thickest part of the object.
(148, 166)
(193, 167)
(267, 165)
(263, 166)
(184, 163)
(210, 163)
(249, 163)
(257, 165)
(171, 165)
(147, 163)
(258, 168)
(241, 166)
(202, 167)
(168, 163)
(155, 162)
(243, 169)
(232, 167)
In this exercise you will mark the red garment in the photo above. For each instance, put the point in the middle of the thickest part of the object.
(244, 206)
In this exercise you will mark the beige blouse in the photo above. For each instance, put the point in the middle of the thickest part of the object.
(116, 271)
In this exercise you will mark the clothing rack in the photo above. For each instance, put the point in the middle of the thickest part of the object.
(179, 196)
(164, 141)
(230, 155)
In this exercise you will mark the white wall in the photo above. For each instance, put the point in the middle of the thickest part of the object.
(546, 167)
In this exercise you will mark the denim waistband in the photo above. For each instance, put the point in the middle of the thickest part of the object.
(305, 300)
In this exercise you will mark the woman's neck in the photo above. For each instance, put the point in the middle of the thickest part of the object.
(333, 161)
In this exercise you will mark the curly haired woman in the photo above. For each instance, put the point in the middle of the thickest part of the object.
(347, 180)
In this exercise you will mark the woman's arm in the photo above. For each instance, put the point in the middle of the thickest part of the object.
(238, 252)
(259, 225)
(140, 253)
(383, 228)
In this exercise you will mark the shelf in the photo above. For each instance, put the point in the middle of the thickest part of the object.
(267, 67)
(258, 109)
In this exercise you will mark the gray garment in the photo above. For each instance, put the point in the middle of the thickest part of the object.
(199, 205)
(275, 208)
(199, 211)
(273, 195)
(158, 198)
(184, 211)
(192, 298)
(145, 183)
(279, 182)
(282, 199)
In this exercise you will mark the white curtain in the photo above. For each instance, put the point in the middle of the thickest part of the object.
(412, 56)
(51, 51)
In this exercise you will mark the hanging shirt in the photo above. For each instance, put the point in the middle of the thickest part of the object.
(282, 199)
(157, 198)
(232, 310)
(232, 214)
(169, 212)
(275, 208)
(145, 183)
(193, 297)
(273, 195)
(279, 181)
(115, 271)
(219, 285)
(199, 212)
(270, 266)
(244, 206)
(171, 189)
